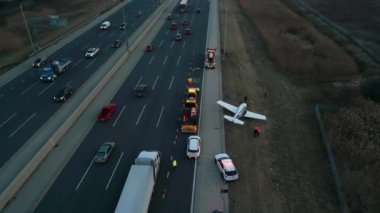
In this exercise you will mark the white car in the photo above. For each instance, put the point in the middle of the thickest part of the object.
(105, 25)
(193, 149)
(92, 52)
(226, 167)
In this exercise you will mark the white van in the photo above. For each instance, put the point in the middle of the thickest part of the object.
(105, 25)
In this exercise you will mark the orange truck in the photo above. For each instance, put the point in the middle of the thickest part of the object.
(190, 116)
(210, 59)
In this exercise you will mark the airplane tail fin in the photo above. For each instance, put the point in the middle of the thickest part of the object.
(235, 120)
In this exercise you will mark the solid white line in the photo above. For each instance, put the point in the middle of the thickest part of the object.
(171, 82)
(92, 61)
(18, 128)
(42, 91)
(151, 59)
(121, 112)
(165, 60)
(111, 35)
(142, 111)
(179, 59)
(84, 175)
(8, 119)
(68, 83)
(183, 45)
(162, 41)
(29, 88)
(101, 34)
(138, 82)
(114, 170)
(172, 44)
(159, 118)
(154, 84)
(76, 63)
(85, 47)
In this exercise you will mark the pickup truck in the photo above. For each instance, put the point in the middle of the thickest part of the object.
(51, 71)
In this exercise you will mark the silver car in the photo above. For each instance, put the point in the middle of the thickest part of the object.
(102, 155)
(193, 149)
(226, 167)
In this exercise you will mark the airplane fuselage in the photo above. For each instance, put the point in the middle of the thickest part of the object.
(241, 111)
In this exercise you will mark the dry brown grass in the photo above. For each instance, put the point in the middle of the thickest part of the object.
(298, 48)
(295, 45)
(353, 131)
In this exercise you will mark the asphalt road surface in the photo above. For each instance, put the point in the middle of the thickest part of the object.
(149, 123)
(26, 102)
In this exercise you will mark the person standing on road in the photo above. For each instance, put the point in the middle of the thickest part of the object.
(174, 164)
(256, 131)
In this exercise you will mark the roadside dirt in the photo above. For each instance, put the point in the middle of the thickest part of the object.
(285, 169)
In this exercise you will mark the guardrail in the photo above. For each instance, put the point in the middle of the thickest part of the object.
(31, 166)
(330, 156)
(339, 29)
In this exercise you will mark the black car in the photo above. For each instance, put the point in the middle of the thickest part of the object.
(64, 94)
(39, 62)
(116, 44)
(141, 90)
(198, 10)
(123, 26)
(187, 31)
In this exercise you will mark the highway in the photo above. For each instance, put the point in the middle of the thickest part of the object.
(26, 102)
(149, 123)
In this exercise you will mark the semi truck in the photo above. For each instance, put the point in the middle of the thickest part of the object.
(190, 116)
(138, 187)
(51, 71)
(210, 59)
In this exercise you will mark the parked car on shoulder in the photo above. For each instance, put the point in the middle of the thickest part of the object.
(104, 152)
(226, 167)
(92, 52)
(116, 44)
(107, 112)
(141, 90)
(63, 94)
(105, 25)
(193, 149)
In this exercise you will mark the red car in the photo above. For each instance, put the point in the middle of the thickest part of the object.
(149, 48)
(107, 112)
(174, 26)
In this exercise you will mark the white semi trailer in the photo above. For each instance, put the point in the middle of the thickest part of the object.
(138, 187)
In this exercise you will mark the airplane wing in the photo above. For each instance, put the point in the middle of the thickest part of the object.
(227, 106)
(250, 114)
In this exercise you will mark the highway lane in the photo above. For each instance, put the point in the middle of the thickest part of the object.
(146, 123)
(26, 103)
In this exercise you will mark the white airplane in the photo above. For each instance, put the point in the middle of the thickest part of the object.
(240, 111)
